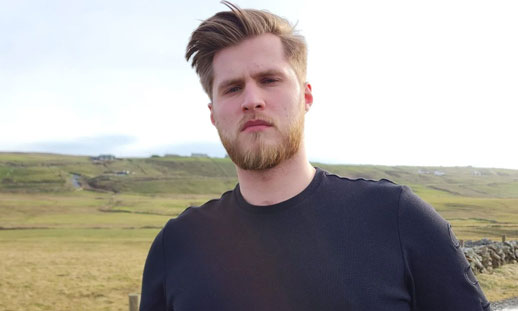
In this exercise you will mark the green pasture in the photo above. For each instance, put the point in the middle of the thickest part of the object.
(88, 236)
(86, 209)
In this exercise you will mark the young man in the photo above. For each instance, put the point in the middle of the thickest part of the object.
(289, 236)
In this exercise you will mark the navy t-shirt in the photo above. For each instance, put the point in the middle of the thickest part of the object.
(340, 244)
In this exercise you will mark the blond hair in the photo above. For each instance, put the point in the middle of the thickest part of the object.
(229, 28)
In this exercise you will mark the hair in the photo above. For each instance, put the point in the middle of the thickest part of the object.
(229, 28)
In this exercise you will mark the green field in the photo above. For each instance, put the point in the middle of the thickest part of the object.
(65, 246)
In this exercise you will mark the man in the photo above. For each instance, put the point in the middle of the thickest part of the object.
(291, 236)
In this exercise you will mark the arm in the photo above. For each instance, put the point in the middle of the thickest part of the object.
(438, 274)
(153, 281)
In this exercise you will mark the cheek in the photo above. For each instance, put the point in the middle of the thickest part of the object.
(292, 106)
(223, 120)
(224, 110)
(218, 114)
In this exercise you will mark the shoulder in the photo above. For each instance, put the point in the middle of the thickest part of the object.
(361, 188)
(375, 202)
(433, 258)
(195, 216)
(359, 182)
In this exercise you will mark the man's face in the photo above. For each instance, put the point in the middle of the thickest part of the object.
(258, 103)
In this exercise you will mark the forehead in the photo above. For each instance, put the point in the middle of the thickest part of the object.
(261, 53)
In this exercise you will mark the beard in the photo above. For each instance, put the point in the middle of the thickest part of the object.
(262, 154)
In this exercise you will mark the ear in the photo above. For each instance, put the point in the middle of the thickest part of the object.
(211, 114)
(308, 96)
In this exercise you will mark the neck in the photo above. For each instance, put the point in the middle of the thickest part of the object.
(277, 184)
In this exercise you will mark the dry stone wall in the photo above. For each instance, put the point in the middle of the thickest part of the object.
(486, 255)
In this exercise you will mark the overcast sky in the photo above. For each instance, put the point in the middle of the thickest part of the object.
(430, 83)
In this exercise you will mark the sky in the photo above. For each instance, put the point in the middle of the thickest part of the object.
(424, 83)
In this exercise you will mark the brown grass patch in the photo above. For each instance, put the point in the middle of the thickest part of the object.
(69, 276)
(501, 284)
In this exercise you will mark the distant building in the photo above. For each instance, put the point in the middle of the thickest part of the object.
(103, 157)
(436, 173)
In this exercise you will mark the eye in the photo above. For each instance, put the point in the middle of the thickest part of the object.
(269, 80)
(232, 89)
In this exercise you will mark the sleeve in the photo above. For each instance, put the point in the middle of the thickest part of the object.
(153, 282)
(439, 276)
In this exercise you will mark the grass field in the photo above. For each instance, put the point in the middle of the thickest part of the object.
(501, 284)
(64, 248)
(71, 269)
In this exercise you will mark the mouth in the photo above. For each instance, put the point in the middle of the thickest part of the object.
(255, 125)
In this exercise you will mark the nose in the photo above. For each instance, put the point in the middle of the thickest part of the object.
(253, 98)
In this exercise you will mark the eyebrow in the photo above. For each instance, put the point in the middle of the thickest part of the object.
(270, 72)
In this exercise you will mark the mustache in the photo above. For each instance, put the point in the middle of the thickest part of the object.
(255, 117)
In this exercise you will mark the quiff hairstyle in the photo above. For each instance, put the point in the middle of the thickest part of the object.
(229, 28)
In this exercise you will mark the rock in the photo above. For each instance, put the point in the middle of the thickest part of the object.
(485, 255)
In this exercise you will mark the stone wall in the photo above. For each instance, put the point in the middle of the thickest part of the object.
(485, 255)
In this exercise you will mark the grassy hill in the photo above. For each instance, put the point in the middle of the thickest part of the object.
(31, 173)
(42, 190)
(24, 172)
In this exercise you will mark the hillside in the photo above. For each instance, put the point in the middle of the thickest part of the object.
(24, 172)
(42, 191)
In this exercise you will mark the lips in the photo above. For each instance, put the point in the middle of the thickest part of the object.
(255, 124)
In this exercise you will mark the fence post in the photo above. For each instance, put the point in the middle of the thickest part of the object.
(461, 243)
(133, 302)
(503, 238)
